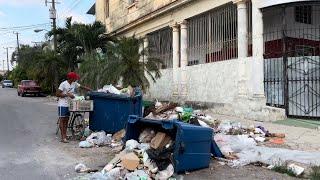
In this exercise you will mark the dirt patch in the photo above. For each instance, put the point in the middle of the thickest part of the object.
(221, 172)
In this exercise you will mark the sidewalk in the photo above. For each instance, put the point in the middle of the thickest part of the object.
(297, 138)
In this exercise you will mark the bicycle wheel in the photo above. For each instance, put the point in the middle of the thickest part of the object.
(77, 126)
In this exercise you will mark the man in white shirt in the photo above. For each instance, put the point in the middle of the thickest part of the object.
(65, 93)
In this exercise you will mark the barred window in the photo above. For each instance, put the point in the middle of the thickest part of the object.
(303, 14)
(212, 36)
(160, 46)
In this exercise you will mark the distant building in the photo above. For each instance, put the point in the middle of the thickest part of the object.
(2, 72)
(256, 59)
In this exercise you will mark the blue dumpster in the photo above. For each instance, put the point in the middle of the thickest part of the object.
(192, 143)
(110, 111)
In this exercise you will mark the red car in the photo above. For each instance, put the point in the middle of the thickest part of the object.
(28, 87)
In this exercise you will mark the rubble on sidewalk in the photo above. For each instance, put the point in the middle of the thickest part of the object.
(147, 159)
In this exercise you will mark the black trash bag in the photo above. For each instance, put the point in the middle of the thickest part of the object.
(194, 121)
(162, 157)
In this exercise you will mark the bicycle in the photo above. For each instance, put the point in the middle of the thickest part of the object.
(76, 123)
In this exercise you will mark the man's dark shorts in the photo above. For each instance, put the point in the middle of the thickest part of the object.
(63, 112)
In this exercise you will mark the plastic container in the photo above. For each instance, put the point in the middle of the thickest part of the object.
(110, 111)
(81, 105)
(192, 143)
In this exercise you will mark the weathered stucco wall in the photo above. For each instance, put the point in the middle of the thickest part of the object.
(205, 83)
(216, 86)
(121, 14)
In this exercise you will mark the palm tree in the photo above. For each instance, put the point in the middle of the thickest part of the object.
(128, 63)
(76, 39)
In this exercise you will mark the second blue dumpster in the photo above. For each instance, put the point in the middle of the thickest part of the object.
(110, 111)
(192, 143)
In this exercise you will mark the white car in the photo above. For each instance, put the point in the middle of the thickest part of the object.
(7, 83)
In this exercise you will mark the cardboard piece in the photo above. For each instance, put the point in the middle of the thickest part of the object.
(160, 140)
(119, 135)
(130, 161)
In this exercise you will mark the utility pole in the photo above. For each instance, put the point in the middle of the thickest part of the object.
(54, 28)
(18, 46)
(53, 16)
(3, 65)
(7, 58)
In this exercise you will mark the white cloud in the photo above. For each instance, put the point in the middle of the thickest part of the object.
(21, 2)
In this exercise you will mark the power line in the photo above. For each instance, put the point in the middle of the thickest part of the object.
(72, 5)
(26, 26)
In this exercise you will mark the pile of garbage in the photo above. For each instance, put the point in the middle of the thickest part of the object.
(258, 133)
(242, 145)
(98, 139)
(170, 111)
(128, 91)
(149, 157)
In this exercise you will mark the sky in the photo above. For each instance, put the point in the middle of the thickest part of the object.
(24, 16)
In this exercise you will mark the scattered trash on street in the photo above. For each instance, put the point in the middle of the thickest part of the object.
(81, 168)
(96, 139)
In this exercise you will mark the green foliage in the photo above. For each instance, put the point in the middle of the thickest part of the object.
(1, 77)
(92, 70)
(103, 60)
(283, 170)
(76, 40)
(315, 173)
(17, 74)
(39, 65)
(124, 63)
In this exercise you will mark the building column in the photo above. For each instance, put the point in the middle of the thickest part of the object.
(142, 48)
(184, 44)
(145, 47)
(183, 57)
(175, 58)
(242, 28)
(242, 15)
(257, 51)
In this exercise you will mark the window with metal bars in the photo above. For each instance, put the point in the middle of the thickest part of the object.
(160, 46)
(212, 36)
(303, 14)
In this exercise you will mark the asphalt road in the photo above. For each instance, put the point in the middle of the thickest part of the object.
(28, 145)
(30, 150)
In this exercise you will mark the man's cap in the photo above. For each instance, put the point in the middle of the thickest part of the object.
(73, 75)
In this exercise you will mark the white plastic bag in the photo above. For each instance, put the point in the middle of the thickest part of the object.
(99, 138)
(165, 174)
(111, 89)
(85, 144)
(131, 144)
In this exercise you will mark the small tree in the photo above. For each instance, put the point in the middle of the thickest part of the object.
(128, 63)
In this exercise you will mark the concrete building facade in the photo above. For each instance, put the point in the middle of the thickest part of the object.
(213, 50)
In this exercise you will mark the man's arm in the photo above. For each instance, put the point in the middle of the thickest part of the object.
(85, 88)
(60, 94)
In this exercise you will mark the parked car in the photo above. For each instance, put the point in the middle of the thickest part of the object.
(7, 83)
(28, 87)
